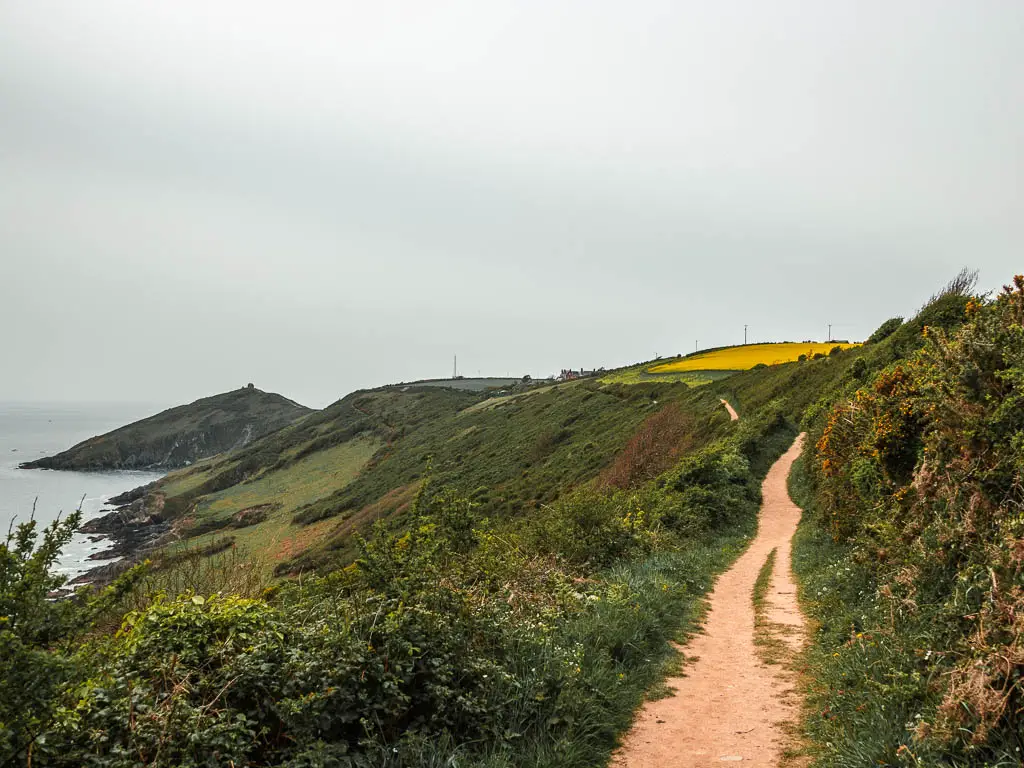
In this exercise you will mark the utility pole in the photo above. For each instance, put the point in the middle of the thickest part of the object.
(695, 347)
(830, 331)
(455, 366)
(744, 334)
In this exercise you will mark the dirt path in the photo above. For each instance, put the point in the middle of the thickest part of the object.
(732, 411)
(731, 706)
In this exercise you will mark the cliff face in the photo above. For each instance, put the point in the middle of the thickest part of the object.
(180, 436)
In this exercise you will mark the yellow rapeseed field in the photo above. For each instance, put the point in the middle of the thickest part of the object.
(747, 356)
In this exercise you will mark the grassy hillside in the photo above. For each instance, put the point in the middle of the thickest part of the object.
(494, 581)
(511, 455)
(182, 435)
(640, 374)
(533, 556)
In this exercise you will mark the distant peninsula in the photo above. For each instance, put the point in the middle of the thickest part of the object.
(182, 435)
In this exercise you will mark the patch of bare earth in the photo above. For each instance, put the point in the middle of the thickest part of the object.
(732, 411)
(735, 703)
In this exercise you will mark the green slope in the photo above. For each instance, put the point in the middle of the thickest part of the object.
(511, 454)
(182, 435)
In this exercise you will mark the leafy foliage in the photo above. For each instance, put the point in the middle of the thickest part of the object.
(885, 330)
(37, 633)
(917, 482)
(29, 626)
(519, 641)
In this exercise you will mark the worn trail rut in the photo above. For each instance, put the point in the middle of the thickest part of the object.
(730, 706)
(732, 411)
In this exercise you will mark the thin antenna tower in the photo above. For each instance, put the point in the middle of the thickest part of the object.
(455, 366)
(745, 333)
(830, 331)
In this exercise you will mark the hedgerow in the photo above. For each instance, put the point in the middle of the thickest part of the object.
(912, 559)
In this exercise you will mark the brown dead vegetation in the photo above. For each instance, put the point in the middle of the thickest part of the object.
(656, 445)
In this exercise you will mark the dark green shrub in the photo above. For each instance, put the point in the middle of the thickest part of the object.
(37, 634)
(30, 625)
(859, 370)
(885, 330)
(592, 528)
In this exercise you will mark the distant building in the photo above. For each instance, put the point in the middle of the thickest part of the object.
(568, 374)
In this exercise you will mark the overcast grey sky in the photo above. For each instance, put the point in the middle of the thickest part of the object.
(318, 197)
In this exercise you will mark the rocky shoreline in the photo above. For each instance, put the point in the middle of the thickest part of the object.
(136, 526)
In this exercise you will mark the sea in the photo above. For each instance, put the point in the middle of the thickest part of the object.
(31, 430)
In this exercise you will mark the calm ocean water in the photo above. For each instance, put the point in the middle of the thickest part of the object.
(28, 431)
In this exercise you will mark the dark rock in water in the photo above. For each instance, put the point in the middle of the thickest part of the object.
(133, 529)
(102, 574)
(110, 523)
(133, 495)
(134, 539)
(107, 554)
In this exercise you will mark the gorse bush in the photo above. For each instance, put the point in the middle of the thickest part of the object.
(918, 481)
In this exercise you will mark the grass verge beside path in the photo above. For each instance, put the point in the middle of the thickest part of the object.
(846, 722)
(768, 634)
(865, 693)
(627, 650)
(626, 642)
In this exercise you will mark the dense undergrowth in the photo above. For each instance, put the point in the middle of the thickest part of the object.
(454, 640)
(514, 603)
(912, 548)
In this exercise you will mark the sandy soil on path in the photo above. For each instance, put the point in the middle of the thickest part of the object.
(732, 411)
(730, 706)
